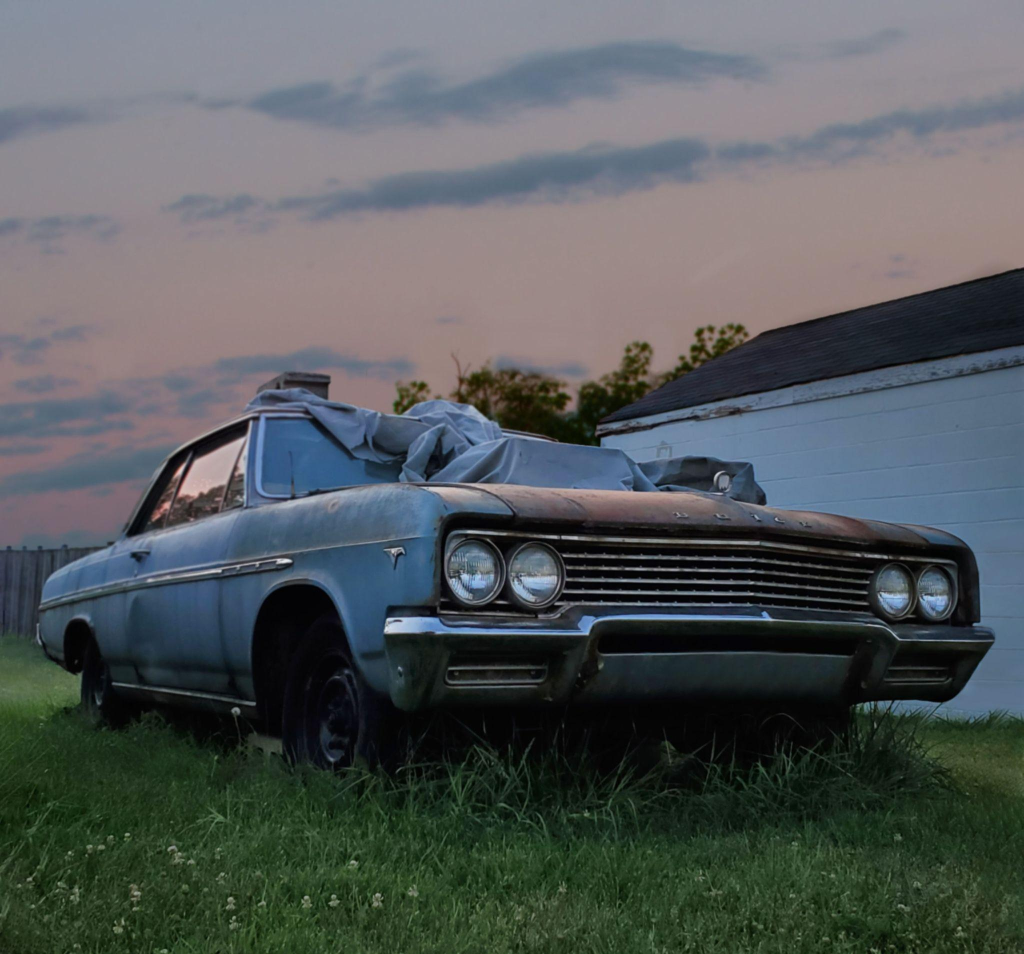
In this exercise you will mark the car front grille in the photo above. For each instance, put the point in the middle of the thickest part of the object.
(644, 572)
(717, 575)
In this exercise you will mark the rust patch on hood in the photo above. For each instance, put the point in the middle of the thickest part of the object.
(680, 514)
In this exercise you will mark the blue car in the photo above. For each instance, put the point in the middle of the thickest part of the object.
(321, 592)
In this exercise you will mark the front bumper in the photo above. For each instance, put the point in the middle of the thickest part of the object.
(590, 656)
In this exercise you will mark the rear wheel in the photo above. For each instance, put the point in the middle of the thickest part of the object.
(99, 700)
(331, 717)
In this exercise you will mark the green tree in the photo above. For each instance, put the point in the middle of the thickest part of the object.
(539, 403)
(516, 399)
(708, 342)
(409, 393)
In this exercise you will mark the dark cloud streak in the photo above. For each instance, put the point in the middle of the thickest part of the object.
(91, 469)
(19, 121)
(537, 81)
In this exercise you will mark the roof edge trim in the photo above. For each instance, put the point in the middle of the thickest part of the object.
(878, 379)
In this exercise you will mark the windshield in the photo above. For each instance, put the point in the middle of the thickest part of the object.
(299, 457)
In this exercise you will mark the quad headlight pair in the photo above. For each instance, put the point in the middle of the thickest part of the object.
(532, 574)
(896, 592)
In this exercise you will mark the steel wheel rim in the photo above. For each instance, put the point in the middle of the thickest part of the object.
(335, 716)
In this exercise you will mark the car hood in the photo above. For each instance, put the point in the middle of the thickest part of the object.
(674, 513)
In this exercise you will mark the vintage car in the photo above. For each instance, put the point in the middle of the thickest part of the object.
(270, 572)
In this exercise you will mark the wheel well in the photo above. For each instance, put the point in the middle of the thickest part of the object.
(283, 618)
(76, 638)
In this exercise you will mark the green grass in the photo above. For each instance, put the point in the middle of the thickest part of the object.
(909, 838)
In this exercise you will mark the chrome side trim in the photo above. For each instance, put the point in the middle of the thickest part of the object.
(189, 693)
(165, 579)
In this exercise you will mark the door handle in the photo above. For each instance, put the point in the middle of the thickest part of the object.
(139, 555)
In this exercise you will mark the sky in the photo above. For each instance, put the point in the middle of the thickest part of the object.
(197, 195)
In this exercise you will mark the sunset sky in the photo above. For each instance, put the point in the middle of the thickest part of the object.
(196, 195)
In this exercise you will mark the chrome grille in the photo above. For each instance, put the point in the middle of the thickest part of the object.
(719, 574)
(664, 572)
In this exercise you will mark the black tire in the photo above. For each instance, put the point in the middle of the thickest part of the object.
(331, 717)
(99, 700)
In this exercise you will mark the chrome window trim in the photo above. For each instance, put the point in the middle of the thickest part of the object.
(192, 575)
(260, 438)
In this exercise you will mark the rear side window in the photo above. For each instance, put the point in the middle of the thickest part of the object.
(205, 483)
(299, 457)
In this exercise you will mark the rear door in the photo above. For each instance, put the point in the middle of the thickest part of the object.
(173, 610)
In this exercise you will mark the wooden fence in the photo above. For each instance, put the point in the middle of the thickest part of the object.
(22, 574)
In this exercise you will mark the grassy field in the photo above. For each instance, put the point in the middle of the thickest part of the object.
(909, 838)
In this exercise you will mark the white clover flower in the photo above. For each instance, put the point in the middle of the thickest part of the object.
(562, 888)
(110, 839)
(69, 855)
(230, 906)
(119, 926)
(897, 837)
(334, 902)
(177, 859)
(378, 900)
(191, 862)
(172, 849)
(101, 847)
(902, 907)
(353, 863)
(221, 877)
(134, 894)
(307, 901)
(261, 904)
(917, 885)
(89, 849)
(413, 892)
(217, 852)
(76, 894)
(127, 836)
(62, 886)
(233, 924)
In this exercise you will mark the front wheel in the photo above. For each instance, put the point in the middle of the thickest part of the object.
(99, 701)
(331, 716)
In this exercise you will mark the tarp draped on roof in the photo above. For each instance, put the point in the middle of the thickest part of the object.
(447, 442)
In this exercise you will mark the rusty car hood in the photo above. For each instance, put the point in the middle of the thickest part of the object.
(675, 513)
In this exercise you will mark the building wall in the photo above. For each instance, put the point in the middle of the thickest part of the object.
(947, 453)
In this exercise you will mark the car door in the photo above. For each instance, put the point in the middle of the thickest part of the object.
(173, 609)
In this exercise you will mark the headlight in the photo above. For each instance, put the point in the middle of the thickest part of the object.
(474, 571)
(535, 575)
(892, 591)
(936, 595)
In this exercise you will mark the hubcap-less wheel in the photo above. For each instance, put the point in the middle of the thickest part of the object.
(330, 716)
(336, 719)
(99, 700)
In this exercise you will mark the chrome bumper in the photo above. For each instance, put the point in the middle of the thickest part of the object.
(584, 657)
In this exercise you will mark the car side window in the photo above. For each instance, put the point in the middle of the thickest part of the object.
(299, 457)
(158, 514)
(235, 496)
(205, 482)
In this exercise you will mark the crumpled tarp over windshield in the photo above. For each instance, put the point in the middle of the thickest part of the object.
(447, 442)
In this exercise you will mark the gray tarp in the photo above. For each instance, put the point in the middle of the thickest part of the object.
(454, 443)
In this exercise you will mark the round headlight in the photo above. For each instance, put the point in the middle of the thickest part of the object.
(535, 575)
(935, 593)
(473, 569)
(892, 591)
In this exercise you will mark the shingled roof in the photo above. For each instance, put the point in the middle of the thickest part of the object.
(980, 315)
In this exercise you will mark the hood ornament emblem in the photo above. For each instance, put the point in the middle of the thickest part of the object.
(394, 553)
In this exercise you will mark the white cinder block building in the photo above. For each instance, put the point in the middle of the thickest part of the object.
(910, 411)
